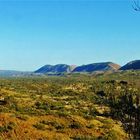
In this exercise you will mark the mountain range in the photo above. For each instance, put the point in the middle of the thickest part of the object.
(64, 68)
(103, 66)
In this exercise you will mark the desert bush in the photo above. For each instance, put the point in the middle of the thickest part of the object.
(22, 117)
(91, 126)
(75, 125)
(8, 127)
(39, 126)
(111, 135)
(55, 124)
(82, 137)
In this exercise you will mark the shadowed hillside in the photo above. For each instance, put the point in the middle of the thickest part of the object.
(133, 65)
(106, 66)
(59, 68)
(63, 68)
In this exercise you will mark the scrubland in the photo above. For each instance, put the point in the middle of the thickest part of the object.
(71, 107)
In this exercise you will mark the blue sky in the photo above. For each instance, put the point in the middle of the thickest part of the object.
(34, 33)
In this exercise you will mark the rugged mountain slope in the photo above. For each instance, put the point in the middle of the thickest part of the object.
(59, 68)
(133, 65)
(105, 66)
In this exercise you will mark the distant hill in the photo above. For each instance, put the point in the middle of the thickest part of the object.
(13, 73)
(133, 65)
(10, 73)
(64, 68)
(104, 66)
(59, 68)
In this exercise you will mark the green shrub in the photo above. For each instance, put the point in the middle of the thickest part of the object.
(55, 124)
(75, 125)
(81, 137)
(22, 117)
(91, 126)
(111, 135)
(8, 127)
(39, 126)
